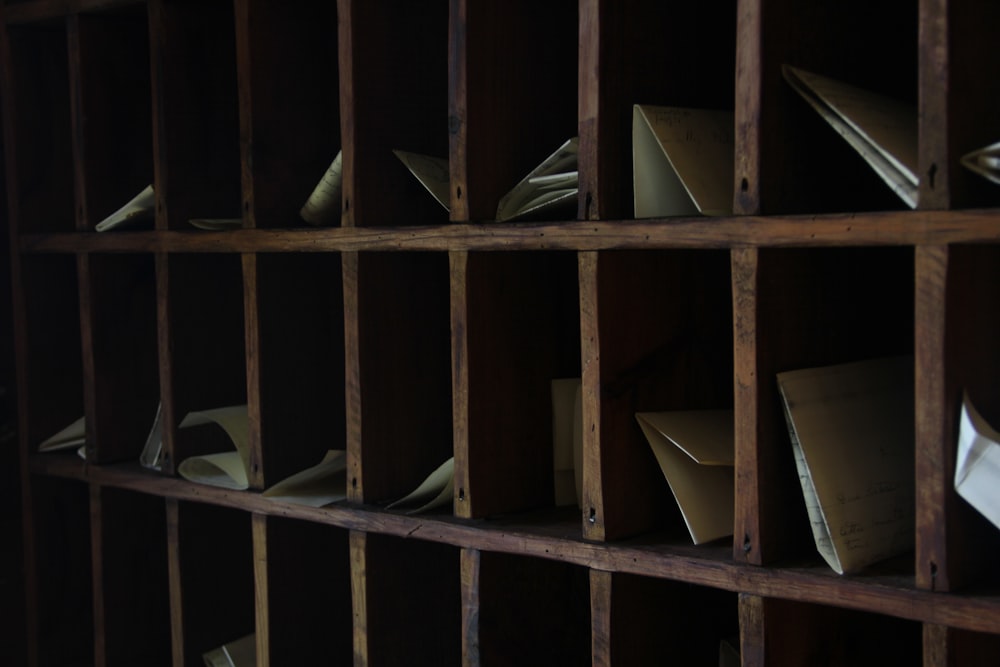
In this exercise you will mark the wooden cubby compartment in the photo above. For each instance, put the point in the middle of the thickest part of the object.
(405, 333)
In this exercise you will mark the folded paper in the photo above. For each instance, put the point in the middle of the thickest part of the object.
(696, 453)
(682, 161)
(852, 433)
(977, 469)
(223, 469)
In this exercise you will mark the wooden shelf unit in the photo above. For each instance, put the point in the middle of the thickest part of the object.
(409, 333)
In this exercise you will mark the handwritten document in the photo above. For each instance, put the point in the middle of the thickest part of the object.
(882, 130)
(977, 469)
(323, 205)
(852, 432)
(682, 161)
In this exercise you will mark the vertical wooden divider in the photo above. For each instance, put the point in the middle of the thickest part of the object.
(352, 397)
(251, 302)
(747, 114)
(752, 625)
(458, 271)
(97, 563)
(751, 470)
(470, 560)
(174, 575)
(601, 620)
(262, 604)
(592, 497)
(935, 503)
(359, 595)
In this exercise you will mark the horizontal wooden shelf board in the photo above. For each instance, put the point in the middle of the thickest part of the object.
(44, 10)
(557, 535)
(881, 228)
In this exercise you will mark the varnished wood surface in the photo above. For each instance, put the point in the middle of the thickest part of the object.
(558, 536)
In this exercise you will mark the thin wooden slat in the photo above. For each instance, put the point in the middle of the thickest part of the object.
(470, 565)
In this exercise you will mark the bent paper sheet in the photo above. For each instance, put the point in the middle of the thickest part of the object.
(882, 130)
(852, 432)
(977, 470)
(696, 452)
(319, 485)
(224, 469)
(682, 161)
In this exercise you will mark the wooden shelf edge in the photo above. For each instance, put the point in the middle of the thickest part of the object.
(707, 565)
(882, 228)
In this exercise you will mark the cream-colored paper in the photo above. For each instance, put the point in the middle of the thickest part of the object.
(138, 208)
(567, 441)
(432, 172)
(239, 653)
(216, 224)
(70, 437)
(73, 436)
(696, 452)
(682, 161)
(224, 469)
(319, 485)
(437, 490)
(882, 130)
(152, 452)
(323, 205)
(977, 469)
(552, 185)
(852, 432)
(985, 162)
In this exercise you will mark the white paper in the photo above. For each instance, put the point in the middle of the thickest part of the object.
(882, 130)
(319, 485)
(682, 161)
(567, 441)
(553, 184)
(224, 469)
(852, 433)
(216, 224)
(985, 162)
(152, 452)
(977, 469)
(140, 207)
(437, 490)
(696, 453)
(432, 172)
(69, 437)
(239, 653)
(323, 205)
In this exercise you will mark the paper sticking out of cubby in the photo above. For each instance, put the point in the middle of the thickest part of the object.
(852, 434)
(984, 161)
(682, 161)
(977, 468)
(239, 653)
(323, 204)
(432, 172)
(696, 453)
(881, 129)
(316, 486)
(567, 441)
(137, 209)
(73, 436)
(228, 469)
(437, 490)
(551, 186)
